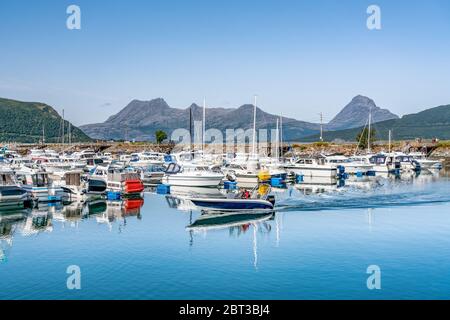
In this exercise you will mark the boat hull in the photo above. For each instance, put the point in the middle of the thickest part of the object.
(192, 181)
(313, 171)
(226, 205)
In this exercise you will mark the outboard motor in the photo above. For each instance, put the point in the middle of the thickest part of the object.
(271, 199)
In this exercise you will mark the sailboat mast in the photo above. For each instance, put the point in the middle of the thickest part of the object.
(281, 135)
(277, 142)
(389, 141)
(190, 129)
(254, 128)
(321, 127)
(204, 124)
(368, 132)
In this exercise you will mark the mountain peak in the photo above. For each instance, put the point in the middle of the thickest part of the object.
(356, 113)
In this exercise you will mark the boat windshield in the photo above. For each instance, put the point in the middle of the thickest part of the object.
(155, 168)
(378, 160)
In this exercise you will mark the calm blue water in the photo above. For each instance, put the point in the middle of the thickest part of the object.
(317, 246)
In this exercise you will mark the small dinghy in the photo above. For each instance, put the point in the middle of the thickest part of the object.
(258, 199)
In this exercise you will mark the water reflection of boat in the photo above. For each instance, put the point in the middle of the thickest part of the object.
(363, 182)
(120, 210)
(39, 220)
(209, 221)
(124, 208)
(313, 185)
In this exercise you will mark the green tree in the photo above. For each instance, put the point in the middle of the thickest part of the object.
(160, 136)
(361, 138)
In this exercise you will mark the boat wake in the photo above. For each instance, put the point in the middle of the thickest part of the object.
(384, 194)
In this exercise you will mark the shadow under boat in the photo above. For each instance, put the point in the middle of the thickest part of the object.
(223, 220)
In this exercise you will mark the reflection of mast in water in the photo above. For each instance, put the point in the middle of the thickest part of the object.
(191, 233)
(278, 226)
(369, 218)
(255, 246)
(236, 223)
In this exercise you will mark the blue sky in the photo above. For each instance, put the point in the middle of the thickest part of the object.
(300, 57)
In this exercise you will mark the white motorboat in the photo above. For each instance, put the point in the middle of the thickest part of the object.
(426, 163)
(11, 194)
(407, 162)
(351, 166)
(382, 163)
(117, 180)
(38, 185)
(191, 175)
(312, 167)
(145, 159)
(152, 174)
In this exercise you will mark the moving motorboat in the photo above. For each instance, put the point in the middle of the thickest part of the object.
(257, 199)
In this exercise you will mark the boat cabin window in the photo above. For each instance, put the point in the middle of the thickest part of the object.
(40, 180)
(403, 159)
(378, 160)
(6, 179)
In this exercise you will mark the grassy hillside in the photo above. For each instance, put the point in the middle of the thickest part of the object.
(428, 124)
(23, 122)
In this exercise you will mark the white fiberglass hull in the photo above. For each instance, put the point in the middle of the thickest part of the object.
(308, 171)
(357, 168)
(192, 180)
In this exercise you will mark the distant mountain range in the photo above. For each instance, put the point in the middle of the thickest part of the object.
(140, 119)
(428, 124)
(25, 121)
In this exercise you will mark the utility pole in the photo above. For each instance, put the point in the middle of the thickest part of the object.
(43, 133)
